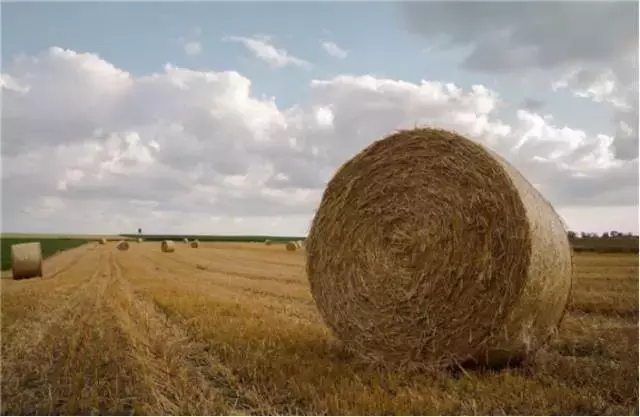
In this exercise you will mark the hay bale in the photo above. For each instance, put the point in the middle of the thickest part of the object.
(267, 242)
(103, 241)
(168, 246)
(26, 260)
(290, 246)
(185, 240)
(428, 249)
(122, 245)
(139, 240)
(195, 244)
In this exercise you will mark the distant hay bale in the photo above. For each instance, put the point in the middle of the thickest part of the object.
(428, 249)
(26, 260)
(185, 240)
(267, 242)
(122, 245)
(168, 246)
(290, 246)
(139, 240)
(195, 244)
(103, 241)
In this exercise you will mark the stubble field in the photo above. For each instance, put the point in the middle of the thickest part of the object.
(231, 328)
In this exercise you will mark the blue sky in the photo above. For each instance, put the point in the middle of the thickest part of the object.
(141, 37)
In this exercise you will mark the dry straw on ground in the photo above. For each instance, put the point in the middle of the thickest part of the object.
(26, 260)
(291, 246)
(122, 245)
(430, 250)
(168, 246)
(195, 244)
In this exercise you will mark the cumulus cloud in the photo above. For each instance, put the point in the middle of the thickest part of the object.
(261, 47)
(334, 50)
(592, 45)
(193, 151)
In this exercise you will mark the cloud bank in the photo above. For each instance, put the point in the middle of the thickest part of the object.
(89, 147)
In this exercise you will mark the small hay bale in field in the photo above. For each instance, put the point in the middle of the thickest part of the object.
(185, 240)
(290, 246)
(122, 245)
(26, 260)
(267, 242)
(195, 244)
(139, 240)
(428, 249)
(168, 246)
(103, 241)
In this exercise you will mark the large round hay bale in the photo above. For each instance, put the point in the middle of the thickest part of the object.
(26, 260)
(428, 249)
(122, 245)
(103, 241)
(185, 240)
(168, 246)
(267, 242)
(195, 244)
(139, 240)
(290, 246)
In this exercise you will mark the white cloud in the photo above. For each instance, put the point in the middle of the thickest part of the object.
(548, 38)
(190, 151)
(267, 52)
(193, 48)
(334, 50)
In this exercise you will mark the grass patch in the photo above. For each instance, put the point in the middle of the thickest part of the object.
(50, 246)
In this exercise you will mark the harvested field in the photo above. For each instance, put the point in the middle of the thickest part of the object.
(231, 328)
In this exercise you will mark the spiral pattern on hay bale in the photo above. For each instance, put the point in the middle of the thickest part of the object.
(168, 246)
(26, 260)
(290, 246)
(122, 245)
(429, 249)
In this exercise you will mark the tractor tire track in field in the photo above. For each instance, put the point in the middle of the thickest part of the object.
(39, 361)
(222, 280)
(195, 261)
(50, 303)
(79, 253)
(291, 309)
(281, 258)
(184, 378)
